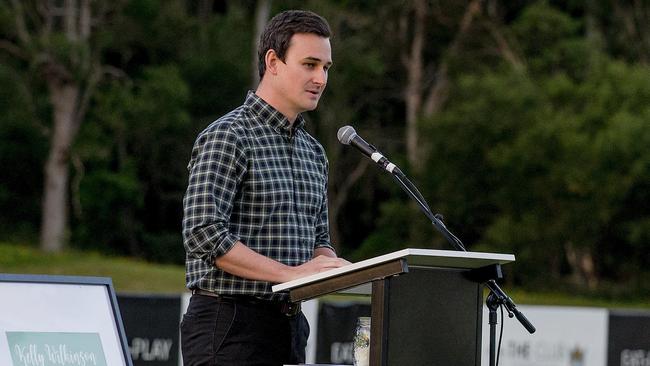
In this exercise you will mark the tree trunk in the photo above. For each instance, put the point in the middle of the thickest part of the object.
(204, 15)
(591, 23)
(438, 91)
(413, 90)
(71, 79)
(261, 18)
(340, 198)
(582, 264)
(55, 196)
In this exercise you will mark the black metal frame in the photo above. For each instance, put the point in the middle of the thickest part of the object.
(81, 280)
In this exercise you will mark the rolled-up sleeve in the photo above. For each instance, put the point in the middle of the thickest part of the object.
(216, 168)
(322, 220)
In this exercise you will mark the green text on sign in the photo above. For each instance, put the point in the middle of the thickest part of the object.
(55, 349)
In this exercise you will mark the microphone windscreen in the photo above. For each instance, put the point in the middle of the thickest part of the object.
(345, 134)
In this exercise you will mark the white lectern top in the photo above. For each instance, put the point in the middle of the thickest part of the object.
(414, 257)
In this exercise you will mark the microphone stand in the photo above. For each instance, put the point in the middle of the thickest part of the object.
(497, 296)
(413, 192)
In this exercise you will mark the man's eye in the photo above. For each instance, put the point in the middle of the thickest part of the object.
(310, 65)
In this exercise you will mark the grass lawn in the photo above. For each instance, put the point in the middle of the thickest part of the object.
(136, 276)
(129, 275)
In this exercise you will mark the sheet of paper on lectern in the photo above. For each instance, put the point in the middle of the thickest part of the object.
(414, 257)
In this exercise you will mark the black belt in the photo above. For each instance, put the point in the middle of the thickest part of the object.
(285, 307)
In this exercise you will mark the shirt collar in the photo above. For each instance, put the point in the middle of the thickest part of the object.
(272, 116)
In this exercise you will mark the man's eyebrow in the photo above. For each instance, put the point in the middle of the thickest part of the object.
(316, 59)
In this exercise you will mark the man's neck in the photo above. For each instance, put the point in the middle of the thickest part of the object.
(271, 97)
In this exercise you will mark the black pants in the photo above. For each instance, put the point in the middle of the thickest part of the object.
(230, 333)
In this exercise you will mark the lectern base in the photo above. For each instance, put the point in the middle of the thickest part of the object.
(430, 317)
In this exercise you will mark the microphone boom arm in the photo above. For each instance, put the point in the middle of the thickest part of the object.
(413, 192)
(501, 296)
(348, 136)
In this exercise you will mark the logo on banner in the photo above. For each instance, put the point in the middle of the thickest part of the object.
(635, 357)
(341, 352)
(577, 357)
(55, 349)
(150, 350)
(544, 353)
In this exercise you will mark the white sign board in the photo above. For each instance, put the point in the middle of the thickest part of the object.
(565, 336)
(59, 320)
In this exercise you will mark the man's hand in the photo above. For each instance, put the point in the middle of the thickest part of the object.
(319, 264)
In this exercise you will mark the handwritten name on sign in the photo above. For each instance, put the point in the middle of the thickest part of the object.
(55, 349)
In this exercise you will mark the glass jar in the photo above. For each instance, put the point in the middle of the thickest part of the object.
(361, 343)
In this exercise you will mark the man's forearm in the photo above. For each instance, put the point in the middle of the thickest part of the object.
(243, 262)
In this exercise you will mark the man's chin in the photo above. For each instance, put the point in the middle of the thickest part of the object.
(311, 106)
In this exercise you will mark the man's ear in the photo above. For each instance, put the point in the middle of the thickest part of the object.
(271, 59)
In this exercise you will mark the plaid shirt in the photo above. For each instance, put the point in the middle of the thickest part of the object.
(253, 179)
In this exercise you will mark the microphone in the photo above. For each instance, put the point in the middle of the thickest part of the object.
(348, 136)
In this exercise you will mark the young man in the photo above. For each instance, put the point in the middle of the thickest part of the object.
(255, 210)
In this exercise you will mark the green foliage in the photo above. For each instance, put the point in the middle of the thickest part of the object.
(547, 37)
(393, 223)
(22, 154)
(6, 20)
(539, 166)
(553, 42)
(131, 147)
(484, 114)
(215, 87)
(548, 161)
(218, 64)
(110, 218)
(136, 142)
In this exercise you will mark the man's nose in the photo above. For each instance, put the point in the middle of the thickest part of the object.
(320, 77)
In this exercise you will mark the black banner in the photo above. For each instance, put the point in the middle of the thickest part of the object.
(336, 325)
(629, 338)
(151, 327)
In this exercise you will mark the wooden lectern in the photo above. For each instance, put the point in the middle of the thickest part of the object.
(426, 305)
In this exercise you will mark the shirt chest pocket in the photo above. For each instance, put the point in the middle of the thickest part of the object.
(310, 191)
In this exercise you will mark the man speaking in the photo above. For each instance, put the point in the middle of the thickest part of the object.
(255, 209)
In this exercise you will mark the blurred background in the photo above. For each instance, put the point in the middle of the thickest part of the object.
(525, 123)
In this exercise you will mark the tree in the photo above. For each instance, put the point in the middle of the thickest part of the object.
(133, 154)
(59, 43)
(423, 99)
(141, 126)
(549, 163)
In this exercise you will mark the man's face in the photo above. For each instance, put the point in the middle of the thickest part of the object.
(303, 74)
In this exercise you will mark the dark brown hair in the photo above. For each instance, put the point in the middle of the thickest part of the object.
(282, 27)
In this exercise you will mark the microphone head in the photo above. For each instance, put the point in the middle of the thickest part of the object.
(346, 134)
